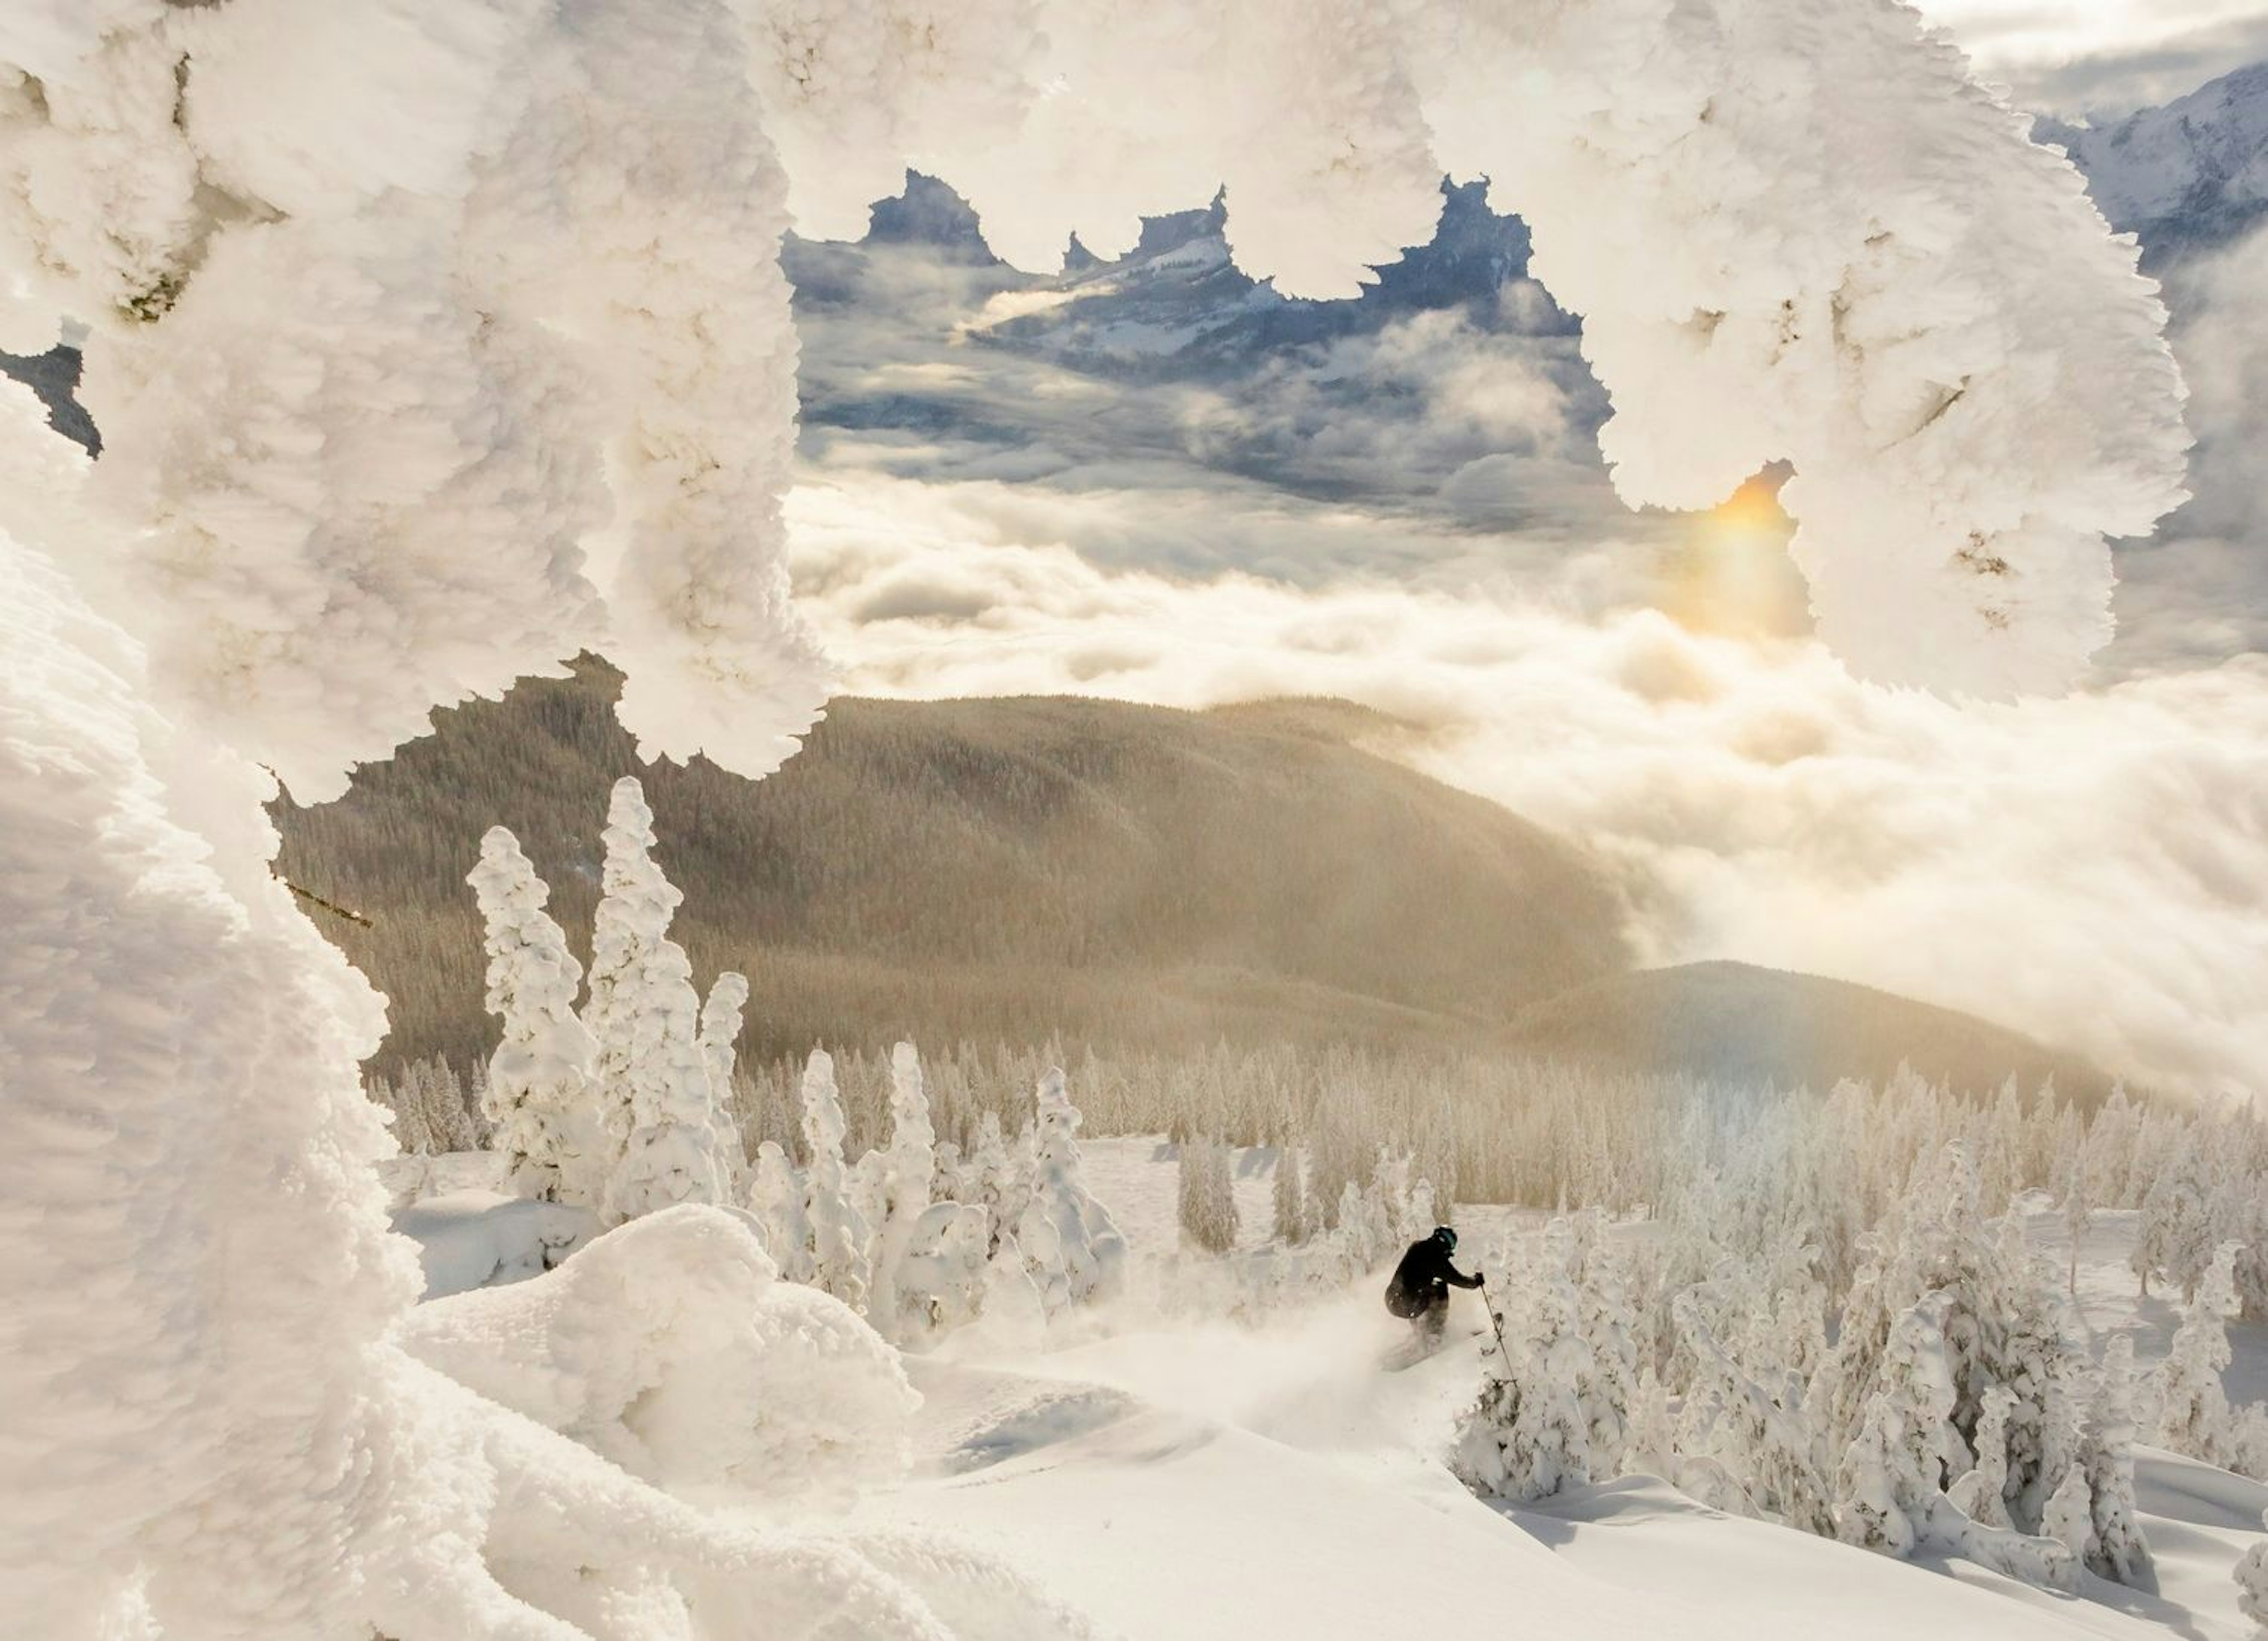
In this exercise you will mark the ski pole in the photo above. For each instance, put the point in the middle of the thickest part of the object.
(1495, 1321)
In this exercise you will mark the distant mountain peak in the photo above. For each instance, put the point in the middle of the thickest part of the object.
(928, 212)
(2191, 173)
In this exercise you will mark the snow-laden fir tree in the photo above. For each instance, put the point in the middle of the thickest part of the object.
(1356, 1229)
(2251, 1577)
(900, 1194)
(1609, 1330)
(721, 1013)
(2122, 1554)
(1526, 1437)
(406, 1120)
(1289, 1197)
(940, 1275)
(2174, 1238)
(1756, 1434)
(2193, 1412)
(998, 1184)
(1981, 1492)
(1070, 1244)
(1890, 1486)
(1425, 1211)
(541, 1101)
(1906, 1444)
(776, 1198)
(650, 1056)
(431, 1088)
(636, 902)
(839, 1237)
(864, 1187)
(2078, 1209)
(1206, 1197)
(2069, 1517)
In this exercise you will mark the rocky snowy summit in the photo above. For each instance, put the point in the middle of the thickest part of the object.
(2189, 175)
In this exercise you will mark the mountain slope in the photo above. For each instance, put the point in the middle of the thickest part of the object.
(2191, 173)
(1000, 869)
(1736, 1023)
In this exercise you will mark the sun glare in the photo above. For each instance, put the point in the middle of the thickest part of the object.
(1729, 572)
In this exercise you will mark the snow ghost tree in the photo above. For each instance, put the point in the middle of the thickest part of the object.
(775, 1196)
(1527, 1437)
(2193, 1414)
(540, 1098)
(636, 904)
(1070, 1244)
(654, 1068)
(903, 1191)
(2121, 1554)
(720, 1036)
(838, 1234)
(462, 346)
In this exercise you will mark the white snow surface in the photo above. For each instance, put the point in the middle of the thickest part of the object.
(1219, 1481)
(475, 1239)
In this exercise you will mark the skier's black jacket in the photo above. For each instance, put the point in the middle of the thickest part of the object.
(1422, 1278)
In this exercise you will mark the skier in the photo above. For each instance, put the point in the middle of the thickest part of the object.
(1419, 1292)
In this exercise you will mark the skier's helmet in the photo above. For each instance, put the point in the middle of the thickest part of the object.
(1447, 1237)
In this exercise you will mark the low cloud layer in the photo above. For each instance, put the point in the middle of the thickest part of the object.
(2076, 57)
(2093, 870)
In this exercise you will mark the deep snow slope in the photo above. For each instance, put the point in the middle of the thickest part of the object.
(1213, 1480)
(1220, 1482)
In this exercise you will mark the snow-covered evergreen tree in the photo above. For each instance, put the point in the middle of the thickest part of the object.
(777, 1198)
(1070, 1243)
(1758, 1434)
(2122, 1554)
(2069, 1517)
(2174, 1238)
(432, 1089)
(839, 1236)
(2078, 1208)
(940, 1277)
(540, 1098)
(721, 1014)
(636, 902)
(1906, 1446)
(1206, 1199)
(1609, 1331)
(2193, 1412)
(1526, 1437)
(1000, 1186)
(1292, 1226)
(674, 1153)
(2253, 1582)
(1981, 1493)
(901, 1193)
